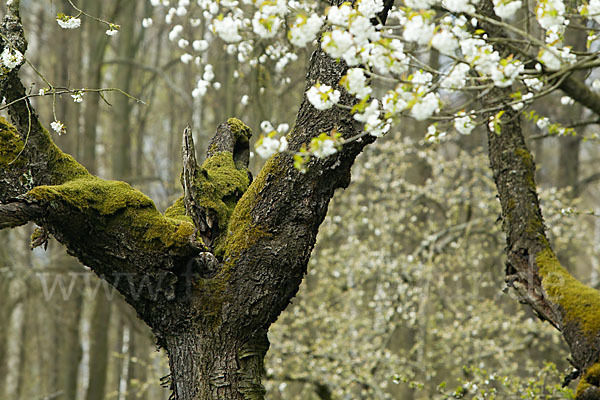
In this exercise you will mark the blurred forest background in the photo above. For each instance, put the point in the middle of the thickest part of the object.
(404, 297)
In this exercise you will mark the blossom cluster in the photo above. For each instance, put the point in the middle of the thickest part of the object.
(388, 57)
(11, 58)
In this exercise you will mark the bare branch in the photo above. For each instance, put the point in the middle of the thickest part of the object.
(19, 213)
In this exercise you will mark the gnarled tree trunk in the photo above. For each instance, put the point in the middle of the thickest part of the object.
(211, 274)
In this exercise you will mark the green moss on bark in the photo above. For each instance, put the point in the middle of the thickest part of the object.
(10, 143)
(239, 129)
(219, 185)
(64, 168)
(177, 211)
(527, 160)
(580, 303)
(242, 230)
(590, 379)
(105, 197)
(122, 205)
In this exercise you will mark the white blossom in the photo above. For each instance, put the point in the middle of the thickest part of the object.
(322, 97)
(305, 30)
(200, 45)
(209, 74)
(506, 8)
(265, 26)
(420, 4)
(463, 124)
(550, 61)
(426, 106)
(594, 10)
(363, 30)
(566, 101)
(58, 127)
(339, 15)
(445, 42)
(356, 83)
(186, 58)
(457, 79)
(459, 6)
(370, 116)
(550, 13)
(77, 97)
(200, 89)
(267, 126)
(147, 22)
(418, 30)
(267, 146)
(504, 75)
(227, 29)
(370, 8)
(337, 43)
(11, 58)
(533, 83)
(324, 149)
(175, 32)
(69, 22)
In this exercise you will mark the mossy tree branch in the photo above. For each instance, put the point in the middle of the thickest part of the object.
(532, 267)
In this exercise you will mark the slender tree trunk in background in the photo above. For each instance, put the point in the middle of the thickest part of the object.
(71, 353)
(69, 63)
(121, 132)
(9, 388)
(22, 352)
(13, 341)
(116, 361)
(5, 309)
(68, 351)
(568, 164)
(99, 350)
(132, 366)
(96, 49)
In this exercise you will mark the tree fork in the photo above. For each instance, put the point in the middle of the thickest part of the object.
(211, 320)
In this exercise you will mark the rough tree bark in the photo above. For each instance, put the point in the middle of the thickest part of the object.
(532, 268)
(209, 303)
